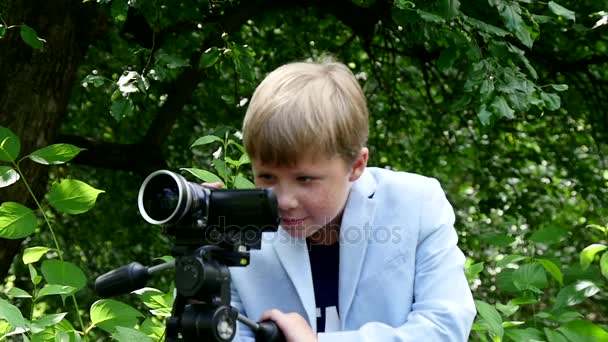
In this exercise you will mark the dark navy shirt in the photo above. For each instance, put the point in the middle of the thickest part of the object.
(324, 263)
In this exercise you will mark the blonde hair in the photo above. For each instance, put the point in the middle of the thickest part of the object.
(306, 107)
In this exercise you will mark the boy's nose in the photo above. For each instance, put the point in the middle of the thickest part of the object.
(286, 200)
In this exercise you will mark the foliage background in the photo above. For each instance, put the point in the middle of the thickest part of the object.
(503, 101)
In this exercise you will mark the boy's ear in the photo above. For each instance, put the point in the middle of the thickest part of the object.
(359, 165)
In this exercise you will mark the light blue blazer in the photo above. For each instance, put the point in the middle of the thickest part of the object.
(401, 273)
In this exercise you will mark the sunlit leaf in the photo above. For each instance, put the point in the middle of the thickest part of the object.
(55, 154)
(204, 175)
(16, 221)
(33, 254)
(18, 293)
(10, 145)
(8, 176)
(552, 268)
(575, 293)
(108, 314)
(54, 289)
(72, 196)
(207, 139)
(588, 254)
(604, 265)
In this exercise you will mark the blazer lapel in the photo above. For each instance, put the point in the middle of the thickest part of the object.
(354, 234)
(293, 255)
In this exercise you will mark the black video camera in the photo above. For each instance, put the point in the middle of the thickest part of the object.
(213, 229)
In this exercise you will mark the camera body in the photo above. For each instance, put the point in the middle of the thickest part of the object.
(197, 215)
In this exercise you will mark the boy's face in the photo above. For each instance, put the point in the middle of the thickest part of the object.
(312, 193)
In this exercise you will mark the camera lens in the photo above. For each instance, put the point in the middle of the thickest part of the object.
(161, 197)
(164, 198)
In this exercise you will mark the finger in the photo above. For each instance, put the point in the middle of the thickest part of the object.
(217, 185)
(272, 315)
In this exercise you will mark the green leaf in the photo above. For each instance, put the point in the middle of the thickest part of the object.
(45, 321)
(171, 61)
(72, 196)
(54, 289)
(96, 80)
(575, 293)
(63, 273)
(55, 154)
(404, 4)
(30, 37)
(561, 11)
(108, 314)
(119, 10)
(528, 334)
(123, 334)
(604, 265)
(154, 299)
(491, 316)
(502, 109)
(485, 27)
(530, 277)
(554, 336)
(484, 115)
(207, 139)
(209, 57)
(552, 268)
(559, 87)
(2, 31)
(204, 175)
(8, 176)
(552, 101)
(36, 279)
(121, 108)
(510, 259)
(33, 254)
(500, 240)
(588, 254)
(511, 15)
(153, 329)
(508, 309)
(240, 182)
(9, 145)
(430, 17)
(587, 329)
(16, 221)
(243, 61)
(549, 235)
(11, 314)
(18, 293)
(450, 8)
(222, 169)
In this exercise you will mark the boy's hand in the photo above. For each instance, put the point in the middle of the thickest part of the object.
(292, 325)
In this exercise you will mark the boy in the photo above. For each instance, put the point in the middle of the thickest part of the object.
(363, 254)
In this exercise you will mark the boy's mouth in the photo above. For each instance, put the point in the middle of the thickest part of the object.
(288, 221)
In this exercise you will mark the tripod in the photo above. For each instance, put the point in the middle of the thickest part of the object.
(201, 309)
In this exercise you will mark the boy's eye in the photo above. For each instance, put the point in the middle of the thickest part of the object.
(305, 179)
(264, 177)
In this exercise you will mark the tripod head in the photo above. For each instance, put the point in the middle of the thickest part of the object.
(213, 229)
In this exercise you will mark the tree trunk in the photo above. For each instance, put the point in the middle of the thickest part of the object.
(35, 86)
